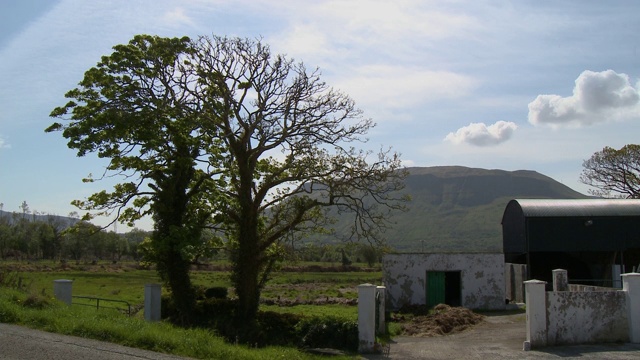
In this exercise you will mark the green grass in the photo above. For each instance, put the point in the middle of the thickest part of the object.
(125, 285)
(42, 312)
(337, 311)
(125, 281)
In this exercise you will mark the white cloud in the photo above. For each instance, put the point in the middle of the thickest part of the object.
(400, 86)
(360, 31)
(479, 134)
(177, 18)
(597, 97)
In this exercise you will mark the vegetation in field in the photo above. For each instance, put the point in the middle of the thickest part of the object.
(40, 311)
(302, 317)
(190, 128)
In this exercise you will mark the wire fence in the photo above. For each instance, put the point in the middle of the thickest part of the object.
(98, 306)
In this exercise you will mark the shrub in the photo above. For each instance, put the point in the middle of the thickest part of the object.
(36, 301)
(278, 328)
(328, 332)
(218, 292)
(273, 328)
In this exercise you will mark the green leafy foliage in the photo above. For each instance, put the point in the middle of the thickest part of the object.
(194, 126)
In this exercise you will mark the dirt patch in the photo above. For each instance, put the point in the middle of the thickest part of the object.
(441, 320)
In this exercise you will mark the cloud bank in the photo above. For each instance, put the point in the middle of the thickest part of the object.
(597, 97)
(479, 134)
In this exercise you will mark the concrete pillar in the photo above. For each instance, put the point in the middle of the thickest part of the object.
(366, 318)
(380, 294)
(616, 280)
(536, 314)
(509, 283)
(152, 307)
(560, 280)
(631, 286)
(62, 290)
(519, 275)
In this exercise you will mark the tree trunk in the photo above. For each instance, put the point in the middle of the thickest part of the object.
(176, 275)
(247, 262)
(246, 273)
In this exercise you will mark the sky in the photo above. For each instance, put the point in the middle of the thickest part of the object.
(513, 85)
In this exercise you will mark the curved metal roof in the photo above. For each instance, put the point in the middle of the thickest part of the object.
(577, 207)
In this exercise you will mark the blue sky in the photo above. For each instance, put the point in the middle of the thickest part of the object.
(534, 85)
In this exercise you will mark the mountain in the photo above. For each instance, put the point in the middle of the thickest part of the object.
(12, 217)
(455, 208)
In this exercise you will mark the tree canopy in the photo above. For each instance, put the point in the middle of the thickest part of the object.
(614, 173)
(218, 132)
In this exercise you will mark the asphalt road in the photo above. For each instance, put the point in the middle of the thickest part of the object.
(500, 337)
(20, 343)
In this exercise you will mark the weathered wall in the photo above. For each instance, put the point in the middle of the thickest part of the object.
(482, 278)
(586, 317)
(514, 277)
(568, 318)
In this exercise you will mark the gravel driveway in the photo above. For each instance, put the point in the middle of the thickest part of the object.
(499, 337)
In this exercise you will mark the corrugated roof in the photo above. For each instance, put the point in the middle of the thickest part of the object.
(579, 207)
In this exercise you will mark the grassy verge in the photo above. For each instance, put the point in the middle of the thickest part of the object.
(42, 312)
(337, 311)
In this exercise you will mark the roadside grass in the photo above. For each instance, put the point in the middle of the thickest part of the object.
(44, 313)
(125, 281)
(344, 312)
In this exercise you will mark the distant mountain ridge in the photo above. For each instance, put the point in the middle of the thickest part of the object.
(455, 208)
(13, 216)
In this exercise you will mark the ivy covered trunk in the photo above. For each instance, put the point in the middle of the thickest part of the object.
(174, 230)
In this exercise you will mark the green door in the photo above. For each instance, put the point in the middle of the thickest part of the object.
(435, 288)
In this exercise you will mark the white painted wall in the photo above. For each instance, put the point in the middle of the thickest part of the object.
(586, 317)
(580, 317)
(482, 278)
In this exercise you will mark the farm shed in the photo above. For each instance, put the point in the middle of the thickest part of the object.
(471, 280)
(594, 239)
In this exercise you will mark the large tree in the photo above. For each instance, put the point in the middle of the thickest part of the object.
(136, 109)
(222, 127)
(286, 140)
(614, 173)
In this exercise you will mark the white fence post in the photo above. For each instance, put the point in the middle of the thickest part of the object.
(536, 314)
(380, 294)
(62, 290)
(631, 285)
(366, 317)
(152, 303)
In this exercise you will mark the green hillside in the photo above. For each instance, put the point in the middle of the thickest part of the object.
(455, 208)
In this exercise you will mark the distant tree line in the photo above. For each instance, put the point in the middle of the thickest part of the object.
(32, 236)
(28, 235)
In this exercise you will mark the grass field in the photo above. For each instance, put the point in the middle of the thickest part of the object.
(310, 293)
(126, 282)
